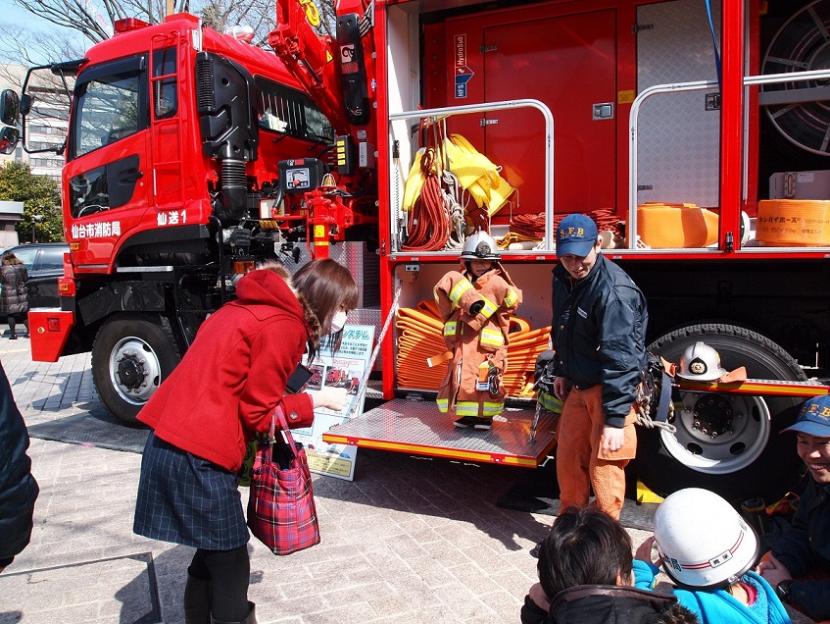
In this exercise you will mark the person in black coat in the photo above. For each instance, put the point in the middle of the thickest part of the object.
(18, 488)
(598, 332)
(585, 577)
(14, 294)
(799, 564)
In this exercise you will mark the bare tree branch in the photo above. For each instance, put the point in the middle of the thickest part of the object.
(92, 20)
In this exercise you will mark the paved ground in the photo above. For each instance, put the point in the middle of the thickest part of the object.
(411, 540)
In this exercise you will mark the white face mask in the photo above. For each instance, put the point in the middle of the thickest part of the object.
(338, 321)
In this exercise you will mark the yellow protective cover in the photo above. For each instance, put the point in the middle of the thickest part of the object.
(673, 226)
(477, 174)
(414, 182)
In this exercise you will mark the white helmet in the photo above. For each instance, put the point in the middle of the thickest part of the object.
(702, 539)
(480, 246)
(700, 362)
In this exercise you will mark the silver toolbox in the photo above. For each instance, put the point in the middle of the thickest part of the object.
(800, 185)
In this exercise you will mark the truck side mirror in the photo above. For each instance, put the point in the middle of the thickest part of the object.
(8, 139)
(26, 104)
(9, 107)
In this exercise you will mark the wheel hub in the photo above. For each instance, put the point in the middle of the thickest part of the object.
(713, 416)
(718, 434)
(134, 370)
(131, 372)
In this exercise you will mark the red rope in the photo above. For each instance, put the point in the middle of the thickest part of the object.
(429, 222)
(533, 225)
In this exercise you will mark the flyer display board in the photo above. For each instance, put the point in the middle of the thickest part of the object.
(344, 369)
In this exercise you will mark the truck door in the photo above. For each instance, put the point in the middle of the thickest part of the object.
(105, 178)
(569, 63)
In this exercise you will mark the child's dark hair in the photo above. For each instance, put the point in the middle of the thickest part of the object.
(468, 265)
(584, 547)
(676, 614)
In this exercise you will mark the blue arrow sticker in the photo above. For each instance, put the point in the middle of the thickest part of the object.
(463, 74)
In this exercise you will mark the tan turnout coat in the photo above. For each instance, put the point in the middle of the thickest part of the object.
(474, 338)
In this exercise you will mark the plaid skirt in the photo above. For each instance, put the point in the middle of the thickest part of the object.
(187, 500)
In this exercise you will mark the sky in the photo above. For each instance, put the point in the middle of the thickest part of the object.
(13, 18)
(11, 14)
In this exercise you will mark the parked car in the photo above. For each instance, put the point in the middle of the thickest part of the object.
(44, 262)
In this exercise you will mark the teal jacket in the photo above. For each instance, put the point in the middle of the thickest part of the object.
(719, 606)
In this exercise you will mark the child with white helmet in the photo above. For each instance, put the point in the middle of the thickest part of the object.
(475, 305)
(707, 549)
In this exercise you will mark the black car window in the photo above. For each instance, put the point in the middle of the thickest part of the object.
(50, 258)
(25, 254)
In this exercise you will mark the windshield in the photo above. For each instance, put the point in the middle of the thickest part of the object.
(110, 104)
(107, 111)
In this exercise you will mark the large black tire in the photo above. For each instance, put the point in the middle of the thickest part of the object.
(775, 468)
(131, 356)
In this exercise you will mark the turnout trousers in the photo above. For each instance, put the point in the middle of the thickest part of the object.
(580, 465)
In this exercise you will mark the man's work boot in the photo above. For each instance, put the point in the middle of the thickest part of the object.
(196, 601)
(250, 619)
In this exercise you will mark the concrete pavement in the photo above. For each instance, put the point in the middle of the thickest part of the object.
(410, 540)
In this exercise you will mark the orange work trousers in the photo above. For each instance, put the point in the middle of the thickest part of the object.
(580, 464)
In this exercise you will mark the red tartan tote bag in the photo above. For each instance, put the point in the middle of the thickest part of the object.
(281, 511)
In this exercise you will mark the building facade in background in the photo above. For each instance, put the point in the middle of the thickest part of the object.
(11, 213)
(47, 122)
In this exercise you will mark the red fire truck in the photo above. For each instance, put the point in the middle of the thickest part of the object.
(187, 160)
(695, 128)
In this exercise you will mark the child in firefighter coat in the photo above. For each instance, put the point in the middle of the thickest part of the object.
(475, 305)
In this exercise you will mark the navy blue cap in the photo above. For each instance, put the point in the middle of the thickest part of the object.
(814, 418)
(576, 235)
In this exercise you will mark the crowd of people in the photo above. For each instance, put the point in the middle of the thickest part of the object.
(586, 569)
(718, 575)
(203, 417)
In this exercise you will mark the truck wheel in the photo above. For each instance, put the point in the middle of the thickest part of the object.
(130, 358)
(725, 443)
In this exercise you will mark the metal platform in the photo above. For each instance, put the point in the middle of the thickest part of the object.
(418, 428)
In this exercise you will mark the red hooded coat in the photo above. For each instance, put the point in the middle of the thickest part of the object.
(233, 375)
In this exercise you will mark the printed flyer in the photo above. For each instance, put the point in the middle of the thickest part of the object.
(345, 369)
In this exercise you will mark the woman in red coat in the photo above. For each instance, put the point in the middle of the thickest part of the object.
(222, 393)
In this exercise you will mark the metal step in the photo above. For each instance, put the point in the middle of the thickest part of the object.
(418, 428)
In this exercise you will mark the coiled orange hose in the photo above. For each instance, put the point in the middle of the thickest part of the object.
(420, 337)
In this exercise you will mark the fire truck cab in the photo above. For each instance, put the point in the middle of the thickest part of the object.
(171, 190)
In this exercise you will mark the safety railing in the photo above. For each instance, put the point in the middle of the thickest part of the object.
(469, 109)
(698, 85)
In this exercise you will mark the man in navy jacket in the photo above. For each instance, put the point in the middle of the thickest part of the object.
(18, 488)
(804, 548)
(599, 326)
